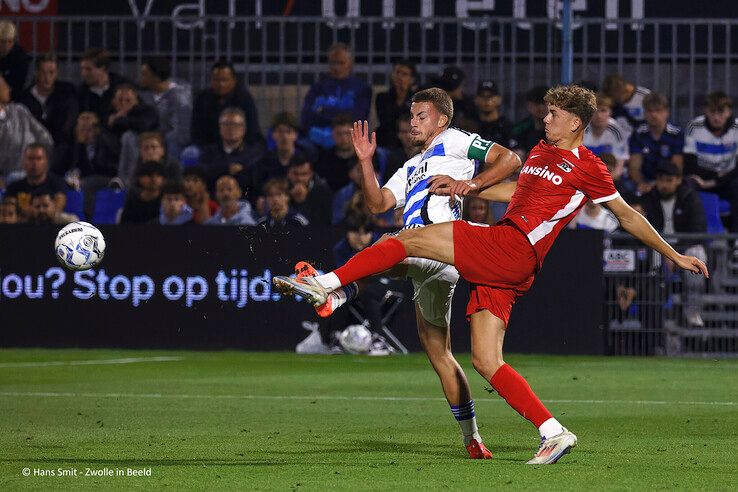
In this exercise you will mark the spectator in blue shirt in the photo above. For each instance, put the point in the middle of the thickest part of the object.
(233, 209)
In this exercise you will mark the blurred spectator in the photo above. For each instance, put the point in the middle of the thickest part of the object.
(233, 155)
(174, 208)
(710, 151)
(98, 84)
(653, 142)
(478, 210)
(224, 92)
(18, 128)
(343, 199)
(172, 100)
(488, 122)
(399, 156)
(233, 209)
(530, 130)
(150, 148)
(9, 211)
(595, 216)
(281, 217)
(37, 179)
(129, 113)
(309, 194)
(54, 104)
(144, 201)
(45, 211)
(628, 108)
(625, 187)
(452, 81)
(339, 92)
(285, 131)
(333, 164)
(14, 61)
(197, 195)
(604, 135)
(396, 101)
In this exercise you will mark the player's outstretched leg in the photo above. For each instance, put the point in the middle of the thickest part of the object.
(488, 332)
(335, 299)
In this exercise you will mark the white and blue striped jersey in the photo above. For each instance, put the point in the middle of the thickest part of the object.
(452, 153)
(612, 141)
(716, 154)
(631, 114)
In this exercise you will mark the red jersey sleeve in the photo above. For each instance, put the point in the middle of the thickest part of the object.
(596, 181)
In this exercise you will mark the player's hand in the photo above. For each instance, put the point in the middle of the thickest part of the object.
(364, 145)
(448, 186)
(692, 264)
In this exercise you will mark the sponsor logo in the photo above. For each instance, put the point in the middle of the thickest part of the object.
(544, 173)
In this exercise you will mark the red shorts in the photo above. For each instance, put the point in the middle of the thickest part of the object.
(498, 262)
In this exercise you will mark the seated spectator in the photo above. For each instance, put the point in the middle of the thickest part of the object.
(224, 92)
(44, 210)
(129, 113)
(604, 135)
(233, 155)
(174, 208)
(18, 129)
(172, 101)
(340, 92)
(595, 216)
(399, 156)
(344, 200)
(98, 84)
(334, 164)
(275, 163)
(530, 130)
(144, 201)
(395, 102)
(281, 217)
(710, 152)
(628, 108)
(9, 211)
(625, 187)
(54, 104)
(488, 122)
(309, 194)
(452, 81)
(38, 179)
(654, 141)
(197, 195)
(478, 210)
(234, 210)
(14, 61)
(150, 148)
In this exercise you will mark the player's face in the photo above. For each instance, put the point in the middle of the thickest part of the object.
(559, 124)
(35, 163)
(656, 116)
(46, 76)
(223, 81)
(601, 116)
(667, 185)
(151, 150)
(339, 64)
(718, 117)
(425, 123)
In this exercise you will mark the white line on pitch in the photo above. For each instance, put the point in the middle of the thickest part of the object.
(93, 362)
(344, 398)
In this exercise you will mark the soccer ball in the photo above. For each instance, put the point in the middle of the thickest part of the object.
(79, 246)
(356, 339)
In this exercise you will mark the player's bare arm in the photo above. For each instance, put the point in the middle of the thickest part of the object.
(501, 192)
(640, 228)
(378, 200)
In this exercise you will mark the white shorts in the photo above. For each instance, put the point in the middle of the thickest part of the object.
(434, 283)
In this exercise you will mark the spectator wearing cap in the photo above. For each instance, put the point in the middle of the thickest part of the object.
(197, 196)
(309, 194)
(711, 150)
(627, 98)
(396, 101)
(14, 61)
(18, 129)
(53, 103)
(37, 179)
(172, 100)
(225, 91)
(488, 122)
(44, 210)
(98, 83)
(234, 210)
(654, 141)
(452, 81)
(339, 92)
(144, 201)
(280, 217)
(604, 135)
(530, 130)
(174, 209)
(400, 155)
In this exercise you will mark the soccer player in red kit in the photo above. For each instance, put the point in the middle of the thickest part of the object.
(501, 261)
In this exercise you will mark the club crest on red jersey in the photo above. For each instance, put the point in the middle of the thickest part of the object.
(566, 166)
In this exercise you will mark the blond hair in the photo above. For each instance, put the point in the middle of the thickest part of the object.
(579, 101)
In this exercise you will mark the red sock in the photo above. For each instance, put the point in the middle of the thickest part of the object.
(371, 260)
(517, 393)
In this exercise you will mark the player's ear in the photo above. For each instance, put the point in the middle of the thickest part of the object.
(442, 121)
(576, 124)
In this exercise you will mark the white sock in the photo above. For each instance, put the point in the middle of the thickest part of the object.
(341, 296)
(551, 428)
(467, 420)
(329, 281)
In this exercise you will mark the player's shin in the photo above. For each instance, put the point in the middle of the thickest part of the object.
(374, 259)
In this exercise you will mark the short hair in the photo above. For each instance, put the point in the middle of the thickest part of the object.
(300, 159)
(340, 47)
(613, 85)
(145, 136)
(195, 172)
(576, 100)
(34, 146)
(149, 168)
(718, 100)
(342, 119)
(7, 30)
(357, 221)
(286, 118)
(159, 66)
(45, 58)
(223, 64)
(280, 184)
(98, 57)
(439, 99)
(126, 86)
(173, 187)
(89, 115)
(655, 100)
(604, 100)
(233, 111)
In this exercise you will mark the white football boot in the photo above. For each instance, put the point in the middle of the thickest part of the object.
(553, 448)
(307, 287)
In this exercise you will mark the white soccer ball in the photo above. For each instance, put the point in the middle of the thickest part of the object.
(356, 339)
(79, 246)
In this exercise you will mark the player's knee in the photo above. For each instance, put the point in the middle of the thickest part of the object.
(487, 364)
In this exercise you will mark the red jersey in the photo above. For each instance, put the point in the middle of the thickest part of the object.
(553, 185)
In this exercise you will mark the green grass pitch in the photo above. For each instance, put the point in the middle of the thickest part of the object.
(278, 421)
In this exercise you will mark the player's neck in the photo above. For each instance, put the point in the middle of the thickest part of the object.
(431, 139)
(571, 143)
